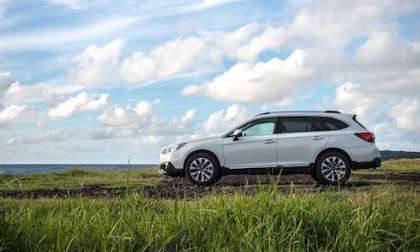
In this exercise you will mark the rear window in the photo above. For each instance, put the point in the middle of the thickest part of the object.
(327, 124)
(294, 124)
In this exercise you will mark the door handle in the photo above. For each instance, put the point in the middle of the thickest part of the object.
(269, 141)
(318, 137)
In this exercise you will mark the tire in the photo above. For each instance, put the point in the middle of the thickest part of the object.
(332, 168)
(202, 169)
(313, 175)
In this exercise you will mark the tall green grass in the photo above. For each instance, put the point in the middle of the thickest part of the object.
(267, 221)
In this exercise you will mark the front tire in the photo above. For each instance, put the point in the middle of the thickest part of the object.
(333, 168)
(202, 169)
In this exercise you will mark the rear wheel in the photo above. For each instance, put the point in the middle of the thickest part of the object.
(332, 168)
(202, 169)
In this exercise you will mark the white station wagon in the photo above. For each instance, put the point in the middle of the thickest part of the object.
(325, 144)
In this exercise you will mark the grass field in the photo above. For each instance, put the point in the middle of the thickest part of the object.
(380, 216)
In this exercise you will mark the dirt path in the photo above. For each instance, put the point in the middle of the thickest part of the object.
(171, 188)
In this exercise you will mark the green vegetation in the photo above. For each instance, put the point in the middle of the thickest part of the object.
(77, 178)
(401, 165)
(379, 217)
(267, 221)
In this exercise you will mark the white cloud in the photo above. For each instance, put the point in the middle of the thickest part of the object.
(59, 36)
(225, 119)
(274, 80)
(118, 117)
(385, 64)
(386, 70)
(228, 43)
(407, 114)
(205, 4)
(332, 23)
(81, 102)
(162, 62)
(97, 64)
(10, 113)
(73, 4)
(144, 108)
(150, 140)
(123, 122)
(5, 82)
(18, 93)
(245, 43)
(209, 3)
(184, 121)
(350, 98)
(44, 137)
(270, 38)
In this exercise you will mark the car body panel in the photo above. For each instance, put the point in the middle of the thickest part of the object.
(250, 152)
(296, 149)
(286, 150)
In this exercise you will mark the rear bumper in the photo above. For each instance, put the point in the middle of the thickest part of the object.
(366, 165)
(168, 169)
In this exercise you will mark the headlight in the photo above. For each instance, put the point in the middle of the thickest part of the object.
(172, 148)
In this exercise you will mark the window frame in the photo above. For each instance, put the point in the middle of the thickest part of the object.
(282, 129)
(328, 117)
(256, 121)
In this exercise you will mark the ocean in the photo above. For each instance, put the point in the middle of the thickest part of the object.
(18, 169)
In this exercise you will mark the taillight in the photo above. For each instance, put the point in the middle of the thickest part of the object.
(367, 136)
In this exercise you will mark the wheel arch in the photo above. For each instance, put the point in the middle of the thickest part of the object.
(336, 150)
(200, 151)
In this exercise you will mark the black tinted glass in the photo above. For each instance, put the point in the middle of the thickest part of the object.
(326, 124)
(294, 124)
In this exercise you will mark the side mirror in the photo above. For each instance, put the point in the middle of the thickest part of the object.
(236, 134)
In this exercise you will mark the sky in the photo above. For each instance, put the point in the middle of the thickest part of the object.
(106, 81)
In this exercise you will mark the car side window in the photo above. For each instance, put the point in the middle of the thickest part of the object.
(260, 128)
(327, 124)
(294, 124)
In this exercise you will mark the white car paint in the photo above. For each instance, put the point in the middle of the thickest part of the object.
(278, 150)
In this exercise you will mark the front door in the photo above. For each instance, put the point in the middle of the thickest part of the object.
(256, 148)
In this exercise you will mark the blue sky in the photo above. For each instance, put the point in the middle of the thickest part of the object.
(102, 81)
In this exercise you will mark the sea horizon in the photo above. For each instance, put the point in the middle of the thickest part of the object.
(26, 168)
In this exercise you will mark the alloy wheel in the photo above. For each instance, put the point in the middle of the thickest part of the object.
(201, 169)
(333, 168)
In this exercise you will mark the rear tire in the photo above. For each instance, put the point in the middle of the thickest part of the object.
(332, 168)
(202, 169)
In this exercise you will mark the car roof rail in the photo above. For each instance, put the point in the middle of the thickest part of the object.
(265, 113)
(290, 111)
(299, 111)
(333, 111)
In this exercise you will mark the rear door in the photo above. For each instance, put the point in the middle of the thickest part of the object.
(257, 147)
(297, 143)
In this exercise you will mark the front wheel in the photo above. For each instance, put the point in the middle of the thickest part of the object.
(202, 169)
(333, 168)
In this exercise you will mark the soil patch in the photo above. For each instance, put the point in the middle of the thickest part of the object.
(171, 188)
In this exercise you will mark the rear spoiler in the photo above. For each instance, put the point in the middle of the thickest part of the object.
(356, 121)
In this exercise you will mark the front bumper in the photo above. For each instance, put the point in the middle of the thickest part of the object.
(366, 165)
(167, 168)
